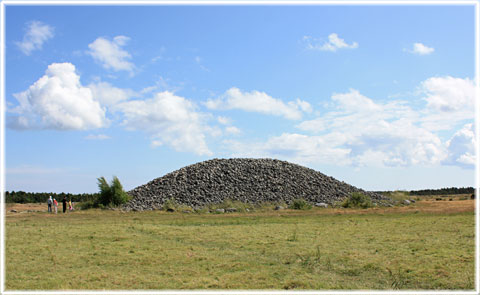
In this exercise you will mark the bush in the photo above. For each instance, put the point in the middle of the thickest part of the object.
(88, 205)
(300, 204)
(113, 194)
(357, 200)
(170, 204)
(399, 196)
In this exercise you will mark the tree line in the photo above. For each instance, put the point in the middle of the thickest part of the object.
(110, 195)
(26, 197)
(444, 191)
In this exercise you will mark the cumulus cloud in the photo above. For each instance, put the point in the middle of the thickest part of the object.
(57, 101)
(36, 34)
(357, 130)
(260, 102)
(376, 133)
(461, 148)
(110, 53)
(420, 49)
(395, 134)
(333, 44)
(108, 94)
(449, 94)
(169, 120)
(450, 101)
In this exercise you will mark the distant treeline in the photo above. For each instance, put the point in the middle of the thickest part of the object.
(25, 197)
(444, 191)
(438, 192)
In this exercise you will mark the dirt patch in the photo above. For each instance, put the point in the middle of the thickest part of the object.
(25, 208)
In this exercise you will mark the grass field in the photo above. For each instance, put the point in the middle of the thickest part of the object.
(428, 245)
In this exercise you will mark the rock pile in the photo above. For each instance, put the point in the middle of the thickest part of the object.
(246, 180)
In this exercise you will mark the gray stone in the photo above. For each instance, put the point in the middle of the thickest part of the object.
(220, 210)
(279, 208)
(250, 181)
(406, 202)
(323, 205)
(231, 210)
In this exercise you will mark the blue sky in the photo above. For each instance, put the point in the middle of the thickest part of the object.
(380, 97)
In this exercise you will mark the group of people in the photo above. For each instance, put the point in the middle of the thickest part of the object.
(54, 202)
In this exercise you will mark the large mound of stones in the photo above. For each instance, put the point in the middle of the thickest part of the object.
(247, 180)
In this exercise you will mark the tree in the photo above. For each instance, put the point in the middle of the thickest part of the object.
(113, 194)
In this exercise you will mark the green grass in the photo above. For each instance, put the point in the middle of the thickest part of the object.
(98, 249)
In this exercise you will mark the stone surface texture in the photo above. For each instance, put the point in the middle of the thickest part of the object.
(240, 179)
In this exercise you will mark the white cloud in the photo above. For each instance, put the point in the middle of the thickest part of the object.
(36, 34)
(256, 101)
(449, 94)
(232, 130)
(395, 134)
(97, 137)
(333, 44)
(354, 101)
(161, 84)
(450, 101)
(420, 49)
(375, 133)
(461, 148)
(110, 54)
(170, 120)
(223, 120)
(57, 101)
(109, 95)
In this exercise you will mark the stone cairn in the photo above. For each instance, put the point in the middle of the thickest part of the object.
(250, 181)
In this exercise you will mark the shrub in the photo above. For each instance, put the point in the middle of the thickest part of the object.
(399, 196)
(91, 204)
(87, 205)
(113, 194)
(357, 200)
(300, 204)
(170, 205)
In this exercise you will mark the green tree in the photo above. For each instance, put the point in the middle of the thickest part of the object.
(113, 194)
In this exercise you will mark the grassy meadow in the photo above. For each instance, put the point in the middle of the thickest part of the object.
(427, 245)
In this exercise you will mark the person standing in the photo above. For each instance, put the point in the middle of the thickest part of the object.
(55, 205)
(70, 207)
(49, 203)
(64, 202)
